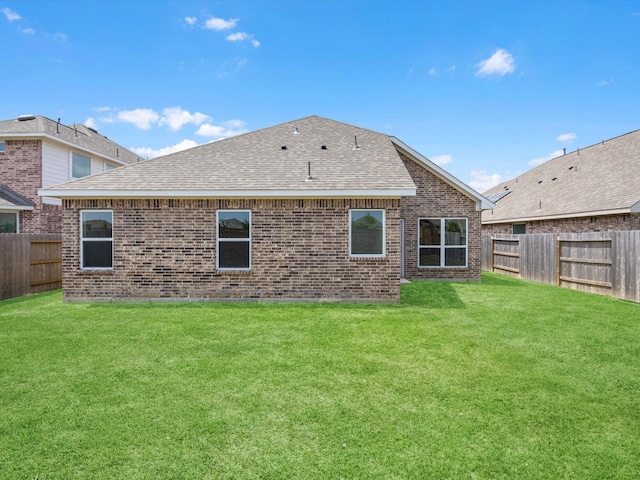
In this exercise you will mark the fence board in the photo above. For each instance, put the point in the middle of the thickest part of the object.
(29, 263)
(603, 262)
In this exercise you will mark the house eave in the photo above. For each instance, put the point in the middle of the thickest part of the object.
(369, 193)
(594, 213)
(53, 138)
(482, 203)
(15, 208)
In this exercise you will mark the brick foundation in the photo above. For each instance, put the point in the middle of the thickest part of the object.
(602, 223)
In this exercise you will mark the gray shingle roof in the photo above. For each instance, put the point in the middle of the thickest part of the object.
(78, 135)
(603, 178)
(13, 200)
(273, 161)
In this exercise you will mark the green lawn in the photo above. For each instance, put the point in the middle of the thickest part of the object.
(503, 379)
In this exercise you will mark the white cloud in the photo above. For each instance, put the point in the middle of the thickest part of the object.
(540, 160)
(61, 37)
(566, 137)
(104, 109)
(91, 123)
(432, 71)
(151, 153)
(604, 83)
(225, 130)
(500, 63)
(10, 14)
(441, 159)
(483, 181)
(241, 37)
(28, 31)
(219, 24)
(190, 20)
(140, 117)
(176, 117)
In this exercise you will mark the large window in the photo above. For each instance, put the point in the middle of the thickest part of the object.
(96, 239)
(366, 233)
(80, 165)
(8, 222)
(233, 244)
(443, 242)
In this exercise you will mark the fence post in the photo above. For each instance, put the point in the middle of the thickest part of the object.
(492, 245)
(558, 264)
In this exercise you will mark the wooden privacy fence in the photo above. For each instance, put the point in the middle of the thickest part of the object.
(29, 264)
(605, 263)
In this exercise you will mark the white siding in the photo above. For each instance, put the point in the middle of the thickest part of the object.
(55, 168)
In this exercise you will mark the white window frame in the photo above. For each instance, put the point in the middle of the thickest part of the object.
(71, 155)
(82, 240)
(17, 214)
(443, 246)
(223, 240)
(384, 234)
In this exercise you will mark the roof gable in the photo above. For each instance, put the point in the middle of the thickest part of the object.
(597, 180)
(10, 200)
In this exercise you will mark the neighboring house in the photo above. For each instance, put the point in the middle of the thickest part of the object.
(312, 209)
(37, 152)
(590, 190)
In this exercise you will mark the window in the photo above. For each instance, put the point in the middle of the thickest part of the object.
(443, 242)
(1, 147)
(8, 222)
(518, 228)
(80, 165)
(96, 239)
(233, 240)
(108, 167)
(366, 233)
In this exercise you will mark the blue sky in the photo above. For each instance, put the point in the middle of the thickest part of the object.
(487, 89)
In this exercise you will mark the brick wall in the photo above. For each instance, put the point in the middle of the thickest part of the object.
(167, 249)
(436, 199)
(600, 223)
(21, 167)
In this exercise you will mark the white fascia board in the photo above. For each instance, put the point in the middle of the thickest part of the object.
(63, 193)
(482, 203)
(595, 213)
(635, 208)
(67, 143)
(15, 208)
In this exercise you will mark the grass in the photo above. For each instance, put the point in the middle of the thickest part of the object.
(503, 379)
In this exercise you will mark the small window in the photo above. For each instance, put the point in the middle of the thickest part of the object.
(80, 166)
(518, 228)
(233, 243)
(108, 167)
(443, 242)
(366, 233)
(96, 239)
(1, 147)
(8, 222)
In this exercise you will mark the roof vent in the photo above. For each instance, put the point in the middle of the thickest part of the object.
(554, 179)
(24, 118)
(309, 177)
(355, 140)
(93, 130)
(283, 147)
(539, 182)
(323, 147)
(296, 131)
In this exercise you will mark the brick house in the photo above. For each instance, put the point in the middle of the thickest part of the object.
(312, 209)
(37, 152)
(590, 190)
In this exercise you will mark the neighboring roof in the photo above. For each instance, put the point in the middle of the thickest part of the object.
(77, 135)
(10, 200)
(598, 180)
(272, 162)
